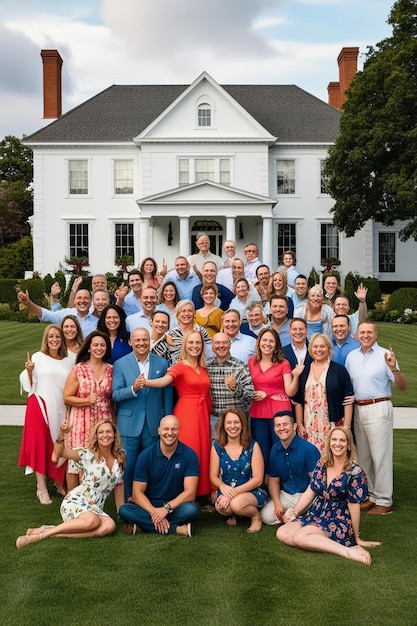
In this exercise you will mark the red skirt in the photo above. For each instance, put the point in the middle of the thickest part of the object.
(37, 446)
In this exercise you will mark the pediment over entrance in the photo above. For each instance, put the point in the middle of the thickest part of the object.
(216, 198)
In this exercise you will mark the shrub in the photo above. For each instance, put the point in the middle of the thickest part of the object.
(401, 299)
(313, 278)
(36, 289)
(352, 281)
(8, 293)
(16, 258)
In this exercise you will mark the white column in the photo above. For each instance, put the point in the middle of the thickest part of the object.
(231, 228)
(144, 237)
(267, 256)
(184, 236)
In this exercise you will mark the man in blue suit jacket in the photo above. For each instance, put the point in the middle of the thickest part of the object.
(139, 410)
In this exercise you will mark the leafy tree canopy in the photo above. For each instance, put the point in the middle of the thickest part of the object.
(373, 164)
(16, 162)
(16, 195)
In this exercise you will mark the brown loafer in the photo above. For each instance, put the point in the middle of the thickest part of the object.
(131, 529)
(367, 505)
(378, 509)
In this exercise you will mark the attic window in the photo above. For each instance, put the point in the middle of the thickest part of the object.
(204, 115)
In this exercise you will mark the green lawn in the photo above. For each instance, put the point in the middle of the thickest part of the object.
(220, 576)
(16, 339)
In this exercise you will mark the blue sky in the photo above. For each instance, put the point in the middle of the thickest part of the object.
(103, 42)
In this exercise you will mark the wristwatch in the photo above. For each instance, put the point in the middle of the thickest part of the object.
(168, 507)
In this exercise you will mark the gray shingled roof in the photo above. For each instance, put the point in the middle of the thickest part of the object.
(121, 112)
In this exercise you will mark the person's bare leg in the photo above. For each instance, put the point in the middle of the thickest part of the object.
(246, 505)
(72, 481)
(314, 539)
(41, 489)
(85, 525)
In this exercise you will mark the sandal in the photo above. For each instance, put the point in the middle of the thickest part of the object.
(25, 540)
(40, 530)
(43, 496)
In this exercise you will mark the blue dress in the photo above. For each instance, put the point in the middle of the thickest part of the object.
(236, 472)
(329, 510)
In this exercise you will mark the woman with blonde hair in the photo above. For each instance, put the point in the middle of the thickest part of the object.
(337, 487)
(102, 463)
(44, 379)
(190, 378)
(318, 315)
(278, 286)
(325, 393)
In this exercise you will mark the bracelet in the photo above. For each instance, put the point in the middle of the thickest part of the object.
(59, 440)
(168, 507)
(395, 371)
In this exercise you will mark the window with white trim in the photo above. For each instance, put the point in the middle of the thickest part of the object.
(386, 252)
(124, 242)
(78, 240)
(286, 238)
(329, 242)
(123, 176)
(204, 115)
(286, 176)
(196, 169)
(78, 176)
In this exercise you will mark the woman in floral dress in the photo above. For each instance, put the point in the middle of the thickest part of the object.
(102, 466)
(88, 392)
(337, 487)
(325, 394)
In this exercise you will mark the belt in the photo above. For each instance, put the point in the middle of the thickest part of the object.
(371, 401)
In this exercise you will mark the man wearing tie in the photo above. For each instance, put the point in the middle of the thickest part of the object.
(139, 409)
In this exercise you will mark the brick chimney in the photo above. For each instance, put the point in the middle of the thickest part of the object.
(52, 84)
(348, 66)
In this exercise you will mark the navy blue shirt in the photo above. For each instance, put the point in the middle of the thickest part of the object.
(164, 477)
(292, 465)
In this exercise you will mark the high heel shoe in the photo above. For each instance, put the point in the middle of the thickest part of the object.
(43, 496)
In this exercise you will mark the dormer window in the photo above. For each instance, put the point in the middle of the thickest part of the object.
(204, 115)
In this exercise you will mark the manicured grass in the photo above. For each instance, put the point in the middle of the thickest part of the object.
(16, 339)
(221, 576)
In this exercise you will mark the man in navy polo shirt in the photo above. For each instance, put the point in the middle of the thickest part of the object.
(291, 465)
(164, 486)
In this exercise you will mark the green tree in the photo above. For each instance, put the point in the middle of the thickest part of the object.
(16, 195)
(373, 164)
(16, 162)
(16, 258)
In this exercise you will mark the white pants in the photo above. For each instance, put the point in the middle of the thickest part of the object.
(373, 425)
(289, 501)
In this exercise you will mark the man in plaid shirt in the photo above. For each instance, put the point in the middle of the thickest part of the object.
(231, 383)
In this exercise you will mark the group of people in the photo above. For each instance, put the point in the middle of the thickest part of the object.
(247, 382)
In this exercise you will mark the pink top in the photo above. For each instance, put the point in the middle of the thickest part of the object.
(272, 383)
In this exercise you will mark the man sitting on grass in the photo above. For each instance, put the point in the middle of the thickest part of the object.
(164, 486)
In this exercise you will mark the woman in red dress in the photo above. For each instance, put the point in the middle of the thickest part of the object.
(274, 384)
(191, 380)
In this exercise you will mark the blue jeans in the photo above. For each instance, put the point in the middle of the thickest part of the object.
(181, 515)
(262, 430)
(133, 446)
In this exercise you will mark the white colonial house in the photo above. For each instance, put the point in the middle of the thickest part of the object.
(140, 169)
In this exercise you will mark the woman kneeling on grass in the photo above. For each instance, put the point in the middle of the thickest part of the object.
(102, 466)
(237, 470)
(336, 489)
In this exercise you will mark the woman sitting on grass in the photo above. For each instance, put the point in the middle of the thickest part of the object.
(237, 470)
(336, 489)
(102, 466)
